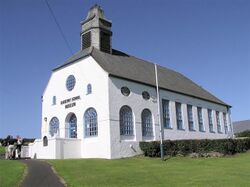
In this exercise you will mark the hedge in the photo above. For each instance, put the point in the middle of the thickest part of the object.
(243, 134)
(185, 147)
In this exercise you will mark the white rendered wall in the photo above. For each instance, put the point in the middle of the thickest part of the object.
(57, 148)
(121, 146)
(107, 100)
(85, 71)
(186, 134)
(38, 151)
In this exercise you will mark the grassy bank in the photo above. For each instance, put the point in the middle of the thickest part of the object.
(179, 171)
(11, 173)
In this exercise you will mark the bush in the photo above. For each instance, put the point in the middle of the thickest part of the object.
(185, 147)
(243, 134)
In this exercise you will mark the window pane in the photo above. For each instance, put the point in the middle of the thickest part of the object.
(147, 129)
(200, 119)
(210, 121)
(126, 121)
(225, 123)
(73, 126)
(90, 119)
(166, 114)
(179, 116)
(54, 100)
(54, 126)
(89, 89)
(70, 82)
(190, 117)
(218, 121)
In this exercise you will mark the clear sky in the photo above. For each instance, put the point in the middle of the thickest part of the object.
(206, 40)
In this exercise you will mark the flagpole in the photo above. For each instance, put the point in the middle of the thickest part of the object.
(159, 116)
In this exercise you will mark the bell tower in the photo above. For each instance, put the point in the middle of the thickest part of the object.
(96, 31)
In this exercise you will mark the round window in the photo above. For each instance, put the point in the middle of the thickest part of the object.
(70, 83)
(125, 91)
(145, 95)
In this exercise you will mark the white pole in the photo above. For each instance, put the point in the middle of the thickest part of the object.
(159, 116)
(230, 124)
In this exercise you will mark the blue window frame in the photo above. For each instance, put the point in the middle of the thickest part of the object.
(90, 120)
(54, 100)
(45, 141)
(225, 123)
(73, 126)
(190, 117)
(200, 119)
(54, 126)
(70, 82)
(179, 116)
(166, 114)
(146, 120)
(89, 89)
(218, 122)
(210, 120)
(126, 121)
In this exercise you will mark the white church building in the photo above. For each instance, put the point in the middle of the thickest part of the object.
(102, 102)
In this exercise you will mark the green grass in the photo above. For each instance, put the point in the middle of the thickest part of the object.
(11, 173)
(141, 171)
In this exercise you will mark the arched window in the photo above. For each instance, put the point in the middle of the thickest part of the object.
(89, 89)
(126, 121)
(45, 141)
(71, 126)
(54, 100)
(146, 121)
(54, 126)
(90, 120)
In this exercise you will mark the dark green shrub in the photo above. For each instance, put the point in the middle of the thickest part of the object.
(185, 147)
(243, 134)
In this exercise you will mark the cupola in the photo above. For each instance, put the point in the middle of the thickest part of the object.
(96, 31)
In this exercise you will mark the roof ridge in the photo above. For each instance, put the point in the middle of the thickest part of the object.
(130, 67)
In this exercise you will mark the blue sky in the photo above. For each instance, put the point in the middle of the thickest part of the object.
(206, 40)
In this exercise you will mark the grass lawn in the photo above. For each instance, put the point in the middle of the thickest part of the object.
(141, 171)
(11, 173)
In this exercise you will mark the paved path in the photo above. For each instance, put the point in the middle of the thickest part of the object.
(40, 174)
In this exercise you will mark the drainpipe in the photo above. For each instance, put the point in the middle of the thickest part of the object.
(159, 116)
(230, 123)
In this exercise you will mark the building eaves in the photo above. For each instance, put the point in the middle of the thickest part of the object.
(79, 55)
(128, 67)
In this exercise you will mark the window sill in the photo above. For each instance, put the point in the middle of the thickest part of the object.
(170, 128)
(202, 131)
(93, 136)
(181, 129)
(147, 138)
(192, 130)
(212, 132)
(127, 138)
(220, 132)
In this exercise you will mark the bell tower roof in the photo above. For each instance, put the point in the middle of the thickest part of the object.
(96, 10)
(96, 30)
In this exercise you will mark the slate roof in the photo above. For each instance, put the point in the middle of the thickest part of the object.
(240, 126)
(125, 66)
